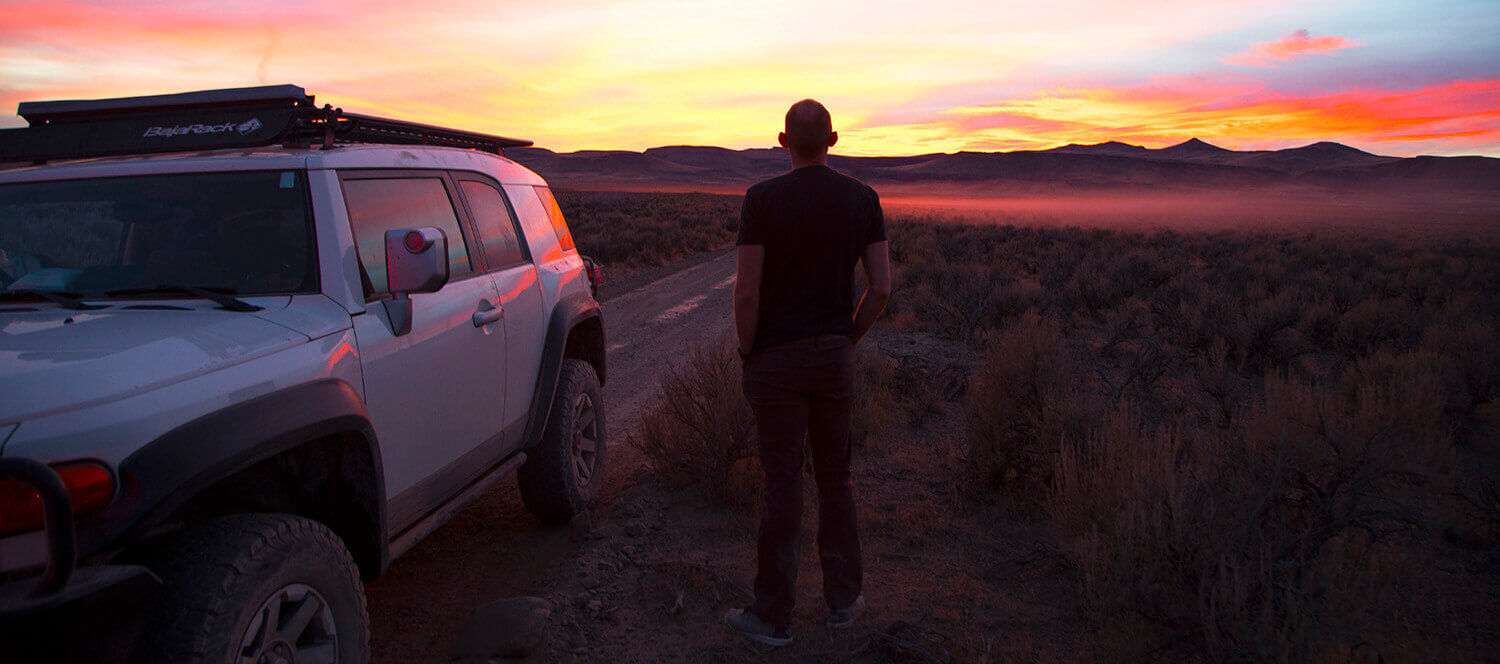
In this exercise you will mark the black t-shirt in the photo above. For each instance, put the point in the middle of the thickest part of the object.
(815, 224)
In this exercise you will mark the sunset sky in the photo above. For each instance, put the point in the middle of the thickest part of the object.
(1395, 77)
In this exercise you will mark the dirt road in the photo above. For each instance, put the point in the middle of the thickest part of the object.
(495, 549)
(651, 327)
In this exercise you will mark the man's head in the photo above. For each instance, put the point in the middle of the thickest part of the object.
(809, 130)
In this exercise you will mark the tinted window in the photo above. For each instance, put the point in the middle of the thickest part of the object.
(497, 231)
(564, 238)
(246, 232)
(377, 206)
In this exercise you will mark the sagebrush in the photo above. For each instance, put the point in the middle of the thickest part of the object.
(1252, 447)
(699, 432)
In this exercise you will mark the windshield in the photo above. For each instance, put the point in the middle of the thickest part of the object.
(245, 232)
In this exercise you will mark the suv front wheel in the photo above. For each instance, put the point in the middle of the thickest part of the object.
(562, 476)
(258, 588)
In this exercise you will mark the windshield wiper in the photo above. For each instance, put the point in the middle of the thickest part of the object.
(225, 300)
(67, 301)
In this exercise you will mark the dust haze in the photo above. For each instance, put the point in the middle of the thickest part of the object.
(1387, 215)
(1415, 213)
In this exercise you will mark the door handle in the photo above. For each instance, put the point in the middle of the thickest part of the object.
(487, 314)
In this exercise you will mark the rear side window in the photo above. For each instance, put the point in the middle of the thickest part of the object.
(564, 237)
(497, 230)
(378, 205)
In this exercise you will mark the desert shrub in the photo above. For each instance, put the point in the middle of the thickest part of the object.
(634, 229)
(921, 386)
(1271, 334)
(1122, 511)
(961, 300)
(1470, 351)
(1093, 288)
(1345, 292)
(1319, 325)
(1127, 323)
(875, 405)
(1015, 298)
(1220, 385)
(1242, 538)
(699, 432)
(1253, 442)
(1205, 314)
(1024, 402)
(1374, 325)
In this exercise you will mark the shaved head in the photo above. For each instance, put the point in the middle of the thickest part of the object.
(809, 128)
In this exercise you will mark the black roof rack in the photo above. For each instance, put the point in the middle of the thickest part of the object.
(210, 120)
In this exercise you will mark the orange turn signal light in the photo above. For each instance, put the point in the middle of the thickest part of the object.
(90, 485)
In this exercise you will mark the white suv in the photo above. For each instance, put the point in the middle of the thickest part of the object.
(266, 347)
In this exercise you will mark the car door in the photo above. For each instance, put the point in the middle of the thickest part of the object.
(509, 262)
(435, 394)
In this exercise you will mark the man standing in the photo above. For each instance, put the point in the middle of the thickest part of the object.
(801, 235)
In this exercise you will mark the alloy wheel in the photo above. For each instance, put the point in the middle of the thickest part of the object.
(585, 446)
(294, 626)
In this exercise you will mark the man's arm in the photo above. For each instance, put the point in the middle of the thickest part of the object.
(877, 263)
(748, 261)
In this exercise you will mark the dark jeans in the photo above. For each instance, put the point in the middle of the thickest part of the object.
(804, 390)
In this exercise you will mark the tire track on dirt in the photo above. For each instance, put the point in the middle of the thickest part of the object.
(652, 328)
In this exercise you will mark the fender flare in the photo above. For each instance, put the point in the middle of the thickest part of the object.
(570, 312)
(163, 476)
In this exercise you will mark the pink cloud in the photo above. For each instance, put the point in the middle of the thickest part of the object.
(1294, 46)
(1442, 118)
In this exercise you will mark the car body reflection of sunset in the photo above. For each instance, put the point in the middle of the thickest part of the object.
(1393, 77)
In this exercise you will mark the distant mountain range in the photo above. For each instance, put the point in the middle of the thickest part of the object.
(1317, 170)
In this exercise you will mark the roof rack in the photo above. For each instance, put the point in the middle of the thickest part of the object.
(211, 120)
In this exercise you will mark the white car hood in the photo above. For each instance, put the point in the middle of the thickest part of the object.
(55, 359)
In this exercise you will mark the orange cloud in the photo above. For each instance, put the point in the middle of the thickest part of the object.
(1234, 116)
(1294, 46)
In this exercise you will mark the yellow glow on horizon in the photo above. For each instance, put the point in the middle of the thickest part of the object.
(941, 76)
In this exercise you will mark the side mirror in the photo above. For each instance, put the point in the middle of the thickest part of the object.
(416, 261)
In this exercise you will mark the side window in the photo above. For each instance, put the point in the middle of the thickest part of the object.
(564, 237)
(497, 230)
(378, 205)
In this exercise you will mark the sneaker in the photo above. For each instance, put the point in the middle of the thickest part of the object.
(755, 629)
(844, 618)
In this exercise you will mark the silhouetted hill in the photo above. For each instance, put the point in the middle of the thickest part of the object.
(1194, 150)
(1111, 148)
(1324, 155)
(1324, 170)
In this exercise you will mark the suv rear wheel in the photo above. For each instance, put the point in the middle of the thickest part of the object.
(258, 588)
(562, 476)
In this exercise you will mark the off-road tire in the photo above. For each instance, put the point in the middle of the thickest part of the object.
(217, 578)
(550, 487)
